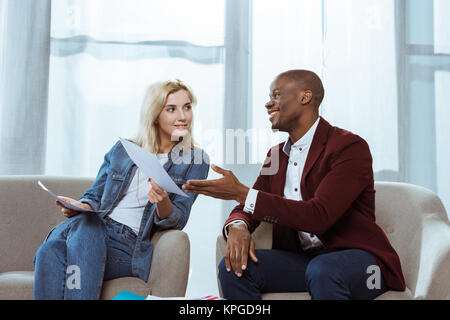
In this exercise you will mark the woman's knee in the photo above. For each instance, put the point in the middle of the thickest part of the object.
(86, 222)
(49, 251)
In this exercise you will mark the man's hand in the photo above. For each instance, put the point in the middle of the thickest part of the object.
(240, 245)
(226, 188)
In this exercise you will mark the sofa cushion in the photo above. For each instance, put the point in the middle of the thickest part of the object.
(19, 286)
(16, 285)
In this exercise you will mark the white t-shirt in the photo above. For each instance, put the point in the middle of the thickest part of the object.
(130, 209)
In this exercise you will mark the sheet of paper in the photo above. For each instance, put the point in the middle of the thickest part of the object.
(65, 203)
(209, 297)
(150, 297)
(150, 166)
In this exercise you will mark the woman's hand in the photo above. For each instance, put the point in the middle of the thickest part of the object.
(69, 213)
(155, 193)
(158, 196)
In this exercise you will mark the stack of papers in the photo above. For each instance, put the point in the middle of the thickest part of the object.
(126, 295)
(209, 297)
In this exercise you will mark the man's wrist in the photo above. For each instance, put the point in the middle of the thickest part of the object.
(242, 194)
(242, 226)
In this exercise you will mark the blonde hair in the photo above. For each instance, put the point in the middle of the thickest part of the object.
(154, 102)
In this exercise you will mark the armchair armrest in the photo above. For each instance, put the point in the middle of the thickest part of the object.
(170, 264)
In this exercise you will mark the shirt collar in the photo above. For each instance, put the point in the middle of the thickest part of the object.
(304, 141)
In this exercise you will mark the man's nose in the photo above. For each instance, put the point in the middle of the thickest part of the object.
(270, 104)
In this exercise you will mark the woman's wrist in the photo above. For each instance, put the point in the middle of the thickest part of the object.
(87, 206)
(164, 208)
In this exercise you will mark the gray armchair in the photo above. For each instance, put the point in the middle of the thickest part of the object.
(27, 214)
(418, 228)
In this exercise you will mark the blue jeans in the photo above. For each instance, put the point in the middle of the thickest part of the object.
(337, 275)
(79, 254)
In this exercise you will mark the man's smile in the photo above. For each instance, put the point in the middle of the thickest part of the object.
(273, 113)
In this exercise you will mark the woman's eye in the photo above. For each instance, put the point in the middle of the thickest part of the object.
(171, 109)
(188, 107)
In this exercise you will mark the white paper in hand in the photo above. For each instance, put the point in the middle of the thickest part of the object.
(65, 203)
(150, 166)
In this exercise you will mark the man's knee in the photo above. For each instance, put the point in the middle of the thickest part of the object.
(322, 269)
(222, 270)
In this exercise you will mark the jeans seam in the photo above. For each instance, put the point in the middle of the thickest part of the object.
(104, 265)
(64, 284)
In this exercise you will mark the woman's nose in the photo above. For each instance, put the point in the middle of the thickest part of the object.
(181, 115)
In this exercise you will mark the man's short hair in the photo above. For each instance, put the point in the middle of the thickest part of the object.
(307, 80)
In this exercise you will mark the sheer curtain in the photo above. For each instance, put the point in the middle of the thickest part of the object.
(104, 54)
(24, 28)
(351, 45)
(385, 66)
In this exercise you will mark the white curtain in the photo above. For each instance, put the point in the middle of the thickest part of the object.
(385, 65)
(104, 54)
(24, 29)
(351, 45)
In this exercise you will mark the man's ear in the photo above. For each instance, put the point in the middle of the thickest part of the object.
(306, 97)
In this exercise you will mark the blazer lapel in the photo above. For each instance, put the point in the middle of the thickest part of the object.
(281, 174)
(317, 146)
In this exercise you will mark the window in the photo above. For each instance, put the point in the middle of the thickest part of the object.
(104, 54)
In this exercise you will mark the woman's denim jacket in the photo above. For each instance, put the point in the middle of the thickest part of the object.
(112, 183)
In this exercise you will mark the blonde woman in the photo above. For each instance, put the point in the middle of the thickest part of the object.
(116, 242)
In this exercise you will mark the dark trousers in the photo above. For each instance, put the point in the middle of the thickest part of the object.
(337, 275)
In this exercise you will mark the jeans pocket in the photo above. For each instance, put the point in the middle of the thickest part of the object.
(129, 238)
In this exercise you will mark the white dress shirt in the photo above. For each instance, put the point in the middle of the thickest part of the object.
(297, 154)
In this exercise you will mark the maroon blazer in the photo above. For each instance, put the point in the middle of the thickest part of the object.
(338, 204)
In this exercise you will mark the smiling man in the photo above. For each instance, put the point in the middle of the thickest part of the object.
(321, 202)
